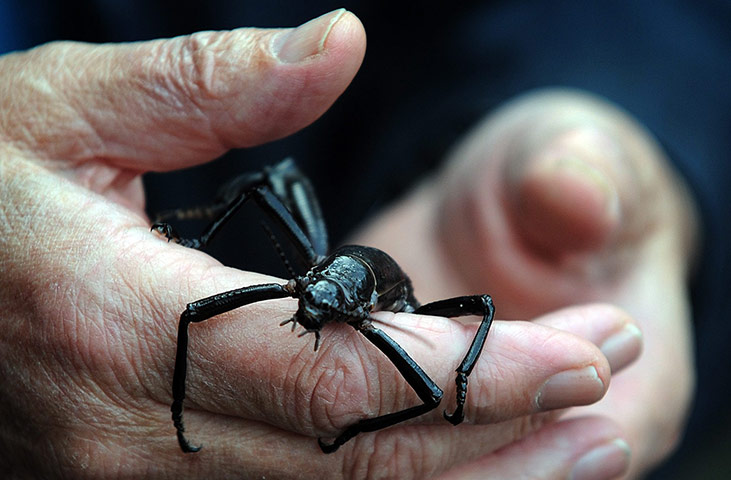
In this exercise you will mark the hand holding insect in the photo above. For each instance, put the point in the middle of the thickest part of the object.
(88, 293)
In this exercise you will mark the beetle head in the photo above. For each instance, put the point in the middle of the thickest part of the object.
(320, 301)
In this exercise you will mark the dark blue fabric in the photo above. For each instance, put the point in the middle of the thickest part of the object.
(432, 69)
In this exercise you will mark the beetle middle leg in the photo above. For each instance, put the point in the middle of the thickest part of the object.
(460, 307)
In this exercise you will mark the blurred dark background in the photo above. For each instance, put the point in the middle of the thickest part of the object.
(449, 63)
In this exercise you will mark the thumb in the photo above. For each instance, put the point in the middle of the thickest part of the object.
(566, 173)
(541, 205)
(168, 104)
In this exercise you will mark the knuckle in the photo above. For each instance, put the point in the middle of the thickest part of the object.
(197, 59)
(226, 73)
(341, 390)
(210, 64)
(501, 397)
(190, 69)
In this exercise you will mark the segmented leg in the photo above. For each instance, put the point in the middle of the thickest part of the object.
(225, 195)
(425, 388)
(270, 204)
(203, 310)
(282, 191)
(297, 194)
(459, 307)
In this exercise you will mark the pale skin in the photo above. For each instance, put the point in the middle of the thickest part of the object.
(90, 297)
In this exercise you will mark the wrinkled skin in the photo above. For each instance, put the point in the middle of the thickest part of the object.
(90, 298)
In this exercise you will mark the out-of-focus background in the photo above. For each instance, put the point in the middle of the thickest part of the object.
(449, 63)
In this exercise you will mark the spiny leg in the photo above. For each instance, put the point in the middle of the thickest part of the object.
(227, 195)
(425, 388)
(282, 191)
(203, 310)
(269, 203)
(284, 179)
(459, 307)
(222, 215)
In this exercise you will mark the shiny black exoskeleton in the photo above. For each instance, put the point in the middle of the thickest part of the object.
(344, 286)
(348, 285)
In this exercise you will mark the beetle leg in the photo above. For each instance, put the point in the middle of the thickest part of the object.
(459, 307)
(295, 191)
(203, 310)
(225, 195)
(282, 191)
(425, 388)
(278, 211)
(271, 205)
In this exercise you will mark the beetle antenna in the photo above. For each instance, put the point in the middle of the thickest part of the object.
(278, 248)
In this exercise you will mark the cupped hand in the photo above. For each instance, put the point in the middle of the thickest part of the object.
(559, 199)
(91, 298)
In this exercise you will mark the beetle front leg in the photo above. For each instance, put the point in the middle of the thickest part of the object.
(460, 307)
(425, 388)
(203, 310)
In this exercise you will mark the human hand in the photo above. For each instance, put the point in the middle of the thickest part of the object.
(560, 199)
(90, 298)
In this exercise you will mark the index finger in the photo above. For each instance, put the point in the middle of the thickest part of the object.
(349, 379)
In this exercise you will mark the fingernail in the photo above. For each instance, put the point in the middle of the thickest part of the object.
(583, 171)
(570, 388)
(564, 203)
(295, 45)
(606, 461)
(622, 347)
